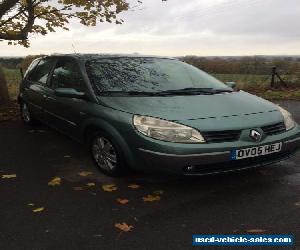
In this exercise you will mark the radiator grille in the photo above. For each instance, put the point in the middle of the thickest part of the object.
(222, 136)
(274, 128)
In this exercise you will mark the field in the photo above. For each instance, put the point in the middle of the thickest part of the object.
(253, 83)
(13, 78)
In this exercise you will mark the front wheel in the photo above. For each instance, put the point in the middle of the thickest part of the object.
(107, 155)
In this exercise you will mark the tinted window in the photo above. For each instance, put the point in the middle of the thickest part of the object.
(41, 72)
(147, 74)
(66, 74)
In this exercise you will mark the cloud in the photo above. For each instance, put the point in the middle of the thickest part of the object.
(176, 27)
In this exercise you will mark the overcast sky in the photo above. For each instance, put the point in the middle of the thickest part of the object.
(178, 27)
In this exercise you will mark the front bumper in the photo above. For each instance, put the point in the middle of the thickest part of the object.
(218, 161)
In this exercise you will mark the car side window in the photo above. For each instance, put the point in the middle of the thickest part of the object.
(31, 68)
(66, 74)
(41, 71)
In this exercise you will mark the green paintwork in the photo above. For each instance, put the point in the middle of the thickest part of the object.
(113, 114)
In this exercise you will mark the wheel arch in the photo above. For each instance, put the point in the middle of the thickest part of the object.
(93, 126)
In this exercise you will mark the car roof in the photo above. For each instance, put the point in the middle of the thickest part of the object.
(102, 56)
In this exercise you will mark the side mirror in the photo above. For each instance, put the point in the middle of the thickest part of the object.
(69, 93)
(231, 84)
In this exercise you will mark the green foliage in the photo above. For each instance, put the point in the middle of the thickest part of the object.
(19, 18)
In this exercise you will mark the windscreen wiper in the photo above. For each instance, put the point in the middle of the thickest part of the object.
(185, 91)
(129, 93)
(193, 91)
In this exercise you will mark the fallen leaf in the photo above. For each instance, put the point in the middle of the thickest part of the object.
(9, 176)
(78, 188)
(150, 198)
(56, 181)
(123, 227)
(134, 186)
(91, 184)
(256, 231)
(122, 201)
(37, 210)
(30, 204)
(85, 173)
(158, 192)
(109, 188)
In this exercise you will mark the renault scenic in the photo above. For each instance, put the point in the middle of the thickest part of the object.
(155, 114)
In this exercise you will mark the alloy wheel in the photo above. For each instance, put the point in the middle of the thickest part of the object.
(104, 153)
(25, 113)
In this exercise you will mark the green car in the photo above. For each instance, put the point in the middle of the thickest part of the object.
(155, 114)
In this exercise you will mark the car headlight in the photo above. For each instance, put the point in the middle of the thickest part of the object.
(288, 119)
(166, 131)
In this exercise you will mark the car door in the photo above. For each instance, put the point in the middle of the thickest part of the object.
(66, 113)
(36, 88)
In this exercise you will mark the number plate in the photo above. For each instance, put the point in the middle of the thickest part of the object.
(238, 154)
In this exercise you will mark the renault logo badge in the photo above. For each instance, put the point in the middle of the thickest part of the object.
(255, 135)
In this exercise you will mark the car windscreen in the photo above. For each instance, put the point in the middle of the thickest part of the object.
(147, 75)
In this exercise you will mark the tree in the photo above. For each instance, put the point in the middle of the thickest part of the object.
(4, 97)
(20, 18)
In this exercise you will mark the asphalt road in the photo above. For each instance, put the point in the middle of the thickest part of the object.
(265, 200)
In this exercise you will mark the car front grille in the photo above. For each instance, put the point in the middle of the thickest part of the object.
(234, 135)
(274, 129)
(221, 136)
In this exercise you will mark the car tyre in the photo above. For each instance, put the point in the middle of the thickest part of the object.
(107, 154)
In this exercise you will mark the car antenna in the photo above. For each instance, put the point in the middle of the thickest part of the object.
(73, 46)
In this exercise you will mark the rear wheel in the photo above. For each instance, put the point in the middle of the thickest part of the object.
(107, 155)
(26, 114)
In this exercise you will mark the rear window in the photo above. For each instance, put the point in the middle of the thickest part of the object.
(147, 74)
(31, 67)
(41, 71)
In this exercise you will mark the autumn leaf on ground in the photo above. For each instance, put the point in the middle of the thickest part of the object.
(150, 198)
(78, 188)
(124, 227)
(134, 186)
(38, 210)
(158, 192)
(122, 201)
(256, 231)
(9, 176)
(85, 173)
(56, 181)
(109, 188)
(91, 184)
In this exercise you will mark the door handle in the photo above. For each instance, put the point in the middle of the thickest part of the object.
(49, 98)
